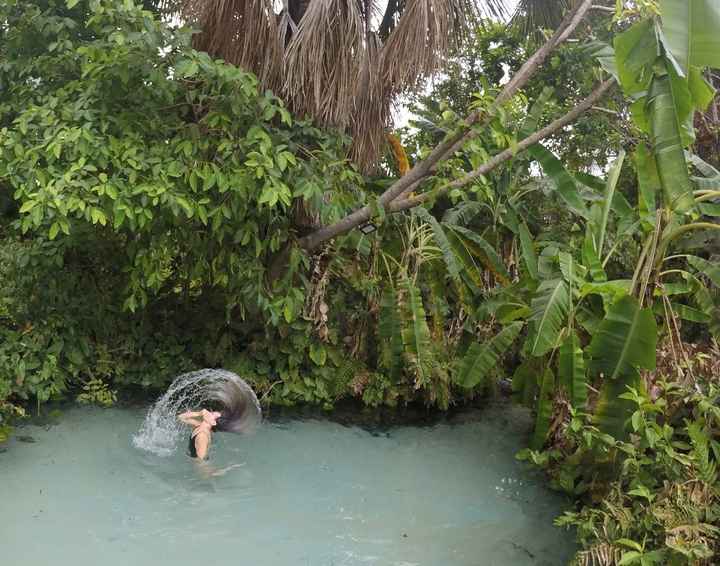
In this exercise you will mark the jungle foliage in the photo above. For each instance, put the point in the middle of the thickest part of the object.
(148, 192)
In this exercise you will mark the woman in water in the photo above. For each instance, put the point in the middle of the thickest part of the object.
(203, 423)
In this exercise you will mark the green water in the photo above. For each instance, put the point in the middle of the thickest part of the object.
(307, 492)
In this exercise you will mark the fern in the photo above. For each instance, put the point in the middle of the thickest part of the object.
(416, 334)
(706, 469)
(481, 359)
(549, 312)
(389, 333)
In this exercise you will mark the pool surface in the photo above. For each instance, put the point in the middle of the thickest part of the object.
(304, 492)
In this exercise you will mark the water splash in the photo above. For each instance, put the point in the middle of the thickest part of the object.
(212, 389)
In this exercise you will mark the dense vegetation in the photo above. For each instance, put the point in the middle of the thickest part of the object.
(156, 206)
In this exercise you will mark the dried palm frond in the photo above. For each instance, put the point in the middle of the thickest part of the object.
(321, 61)
(535, 15)
(425, 32)
(341, 62)
(371, 111)
(243, 32)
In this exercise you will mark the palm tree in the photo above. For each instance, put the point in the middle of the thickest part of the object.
(341, 62)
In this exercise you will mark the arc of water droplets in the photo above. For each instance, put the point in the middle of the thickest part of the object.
(206, 388)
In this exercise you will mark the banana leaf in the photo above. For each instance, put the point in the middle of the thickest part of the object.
(691, 30)
(571, 371)
(549, 313)
(626, 340)
(481, 359)
(544, 410)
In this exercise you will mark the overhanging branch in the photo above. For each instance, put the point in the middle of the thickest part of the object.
(509, 153)
(452, 144)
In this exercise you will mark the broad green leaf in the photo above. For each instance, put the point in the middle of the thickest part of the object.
(544, 410)
(668, 146)
(525, 381)
(528, 250)
(481, 359)
(612, 181)
(635, 52)
(489, 257)
(684, 105)
(625, 341)
(648, 181)
(454, 266)
(591, 258)
(318, 354)
(572, 271)
(605, 54)
(532, 120)
(611, 291)
(472, 266)
(571, 371)
(28, 206)
(710, 270)
(691, 29)
(563, 181)
(612, 412)
(709, 209)
(702, 92)
(690, 314)
(549, 313)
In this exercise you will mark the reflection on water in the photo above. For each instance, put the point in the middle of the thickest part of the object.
(301, 492)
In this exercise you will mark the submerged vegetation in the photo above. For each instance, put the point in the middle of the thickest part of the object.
(551, 215)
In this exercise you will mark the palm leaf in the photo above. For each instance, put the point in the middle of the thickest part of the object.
(549, 313)
(571, 371)
(481, 359)
(625, 341)
(544, 410)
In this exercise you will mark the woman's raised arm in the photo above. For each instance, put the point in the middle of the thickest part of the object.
(187, 418)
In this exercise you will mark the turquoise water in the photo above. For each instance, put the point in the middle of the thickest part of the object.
(303, 492)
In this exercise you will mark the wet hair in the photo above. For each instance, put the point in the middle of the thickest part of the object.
(192, 451)
(237, 405)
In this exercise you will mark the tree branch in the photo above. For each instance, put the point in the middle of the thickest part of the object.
(452, 144)
(509, 153)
